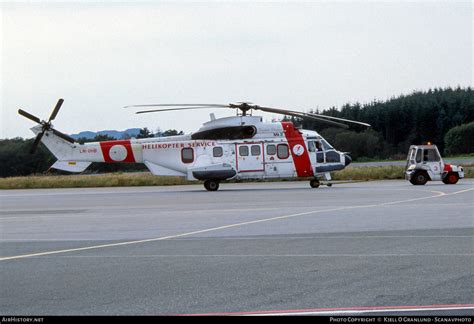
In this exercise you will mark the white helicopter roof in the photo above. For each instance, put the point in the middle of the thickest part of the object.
(232, 122)
(263, 129)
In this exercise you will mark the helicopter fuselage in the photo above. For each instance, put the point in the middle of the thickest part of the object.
(232, 148)
(240, 147)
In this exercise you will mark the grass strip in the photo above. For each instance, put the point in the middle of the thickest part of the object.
(147, 179)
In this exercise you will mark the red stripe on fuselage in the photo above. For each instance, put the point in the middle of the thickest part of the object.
(302, 162)
(107, 145)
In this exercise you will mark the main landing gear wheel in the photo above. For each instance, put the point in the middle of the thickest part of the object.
(314, 183)
(211, 185)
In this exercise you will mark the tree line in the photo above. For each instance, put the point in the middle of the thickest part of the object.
(397, 123)
(15, 159)
(441, 116)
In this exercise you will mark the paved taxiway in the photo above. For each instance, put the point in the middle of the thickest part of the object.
(248, 247)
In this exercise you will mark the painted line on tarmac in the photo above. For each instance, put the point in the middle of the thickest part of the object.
(175, 236)
(213, 229)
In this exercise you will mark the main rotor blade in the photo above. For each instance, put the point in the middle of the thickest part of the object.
(179, 108)
(63, 136)
(342, 119)
(311, 115)
(299, 114)
(56, 109)
(36, 142)
(244, 106)
(330, 122)
(29, 116)
(177, 105)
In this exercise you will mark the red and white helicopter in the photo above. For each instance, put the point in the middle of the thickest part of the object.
(240, 147)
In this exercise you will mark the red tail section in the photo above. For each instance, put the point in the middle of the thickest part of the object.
(117, 151)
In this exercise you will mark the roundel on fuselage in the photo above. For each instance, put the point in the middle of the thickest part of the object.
(118, 153)
(298, 149)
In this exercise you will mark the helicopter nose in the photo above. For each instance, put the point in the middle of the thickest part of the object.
(348, 159)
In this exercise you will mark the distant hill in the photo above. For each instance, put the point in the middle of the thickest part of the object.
(131, 132)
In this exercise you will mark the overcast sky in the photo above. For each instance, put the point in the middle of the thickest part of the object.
(101, 56)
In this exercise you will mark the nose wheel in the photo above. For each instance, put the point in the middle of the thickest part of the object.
(314, 183)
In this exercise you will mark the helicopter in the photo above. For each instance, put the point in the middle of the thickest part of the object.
(241, 147)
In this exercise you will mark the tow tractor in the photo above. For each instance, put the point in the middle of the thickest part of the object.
(424, 163)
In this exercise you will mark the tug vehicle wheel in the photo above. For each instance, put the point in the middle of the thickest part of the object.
(211, 185)
(419, 179)
(314, 183)
(451, 178)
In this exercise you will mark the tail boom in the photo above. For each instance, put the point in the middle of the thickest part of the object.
(75, 157)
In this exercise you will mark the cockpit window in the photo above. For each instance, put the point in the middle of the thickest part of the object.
(319, 146)
(332, 157)
(311, 146)
(326, 145)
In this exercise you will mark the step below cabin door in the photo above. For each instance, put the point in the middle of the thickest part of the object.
(250, 157)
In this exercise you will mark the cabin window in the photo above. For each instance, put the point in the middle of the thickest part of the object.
(271, 149)
(255, 150)
(217, 151)
(244, 150)
(311, 147)
(282, 151)
(187, 155)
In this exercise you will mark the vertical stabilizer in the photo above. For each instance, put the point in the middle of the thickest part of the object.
(61, 149)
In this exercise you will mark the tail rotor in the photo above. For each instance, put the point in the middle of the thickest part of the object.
(46, 125)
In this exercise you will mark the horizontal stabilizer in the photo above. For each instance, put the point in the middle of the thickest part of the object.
(71, 166)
